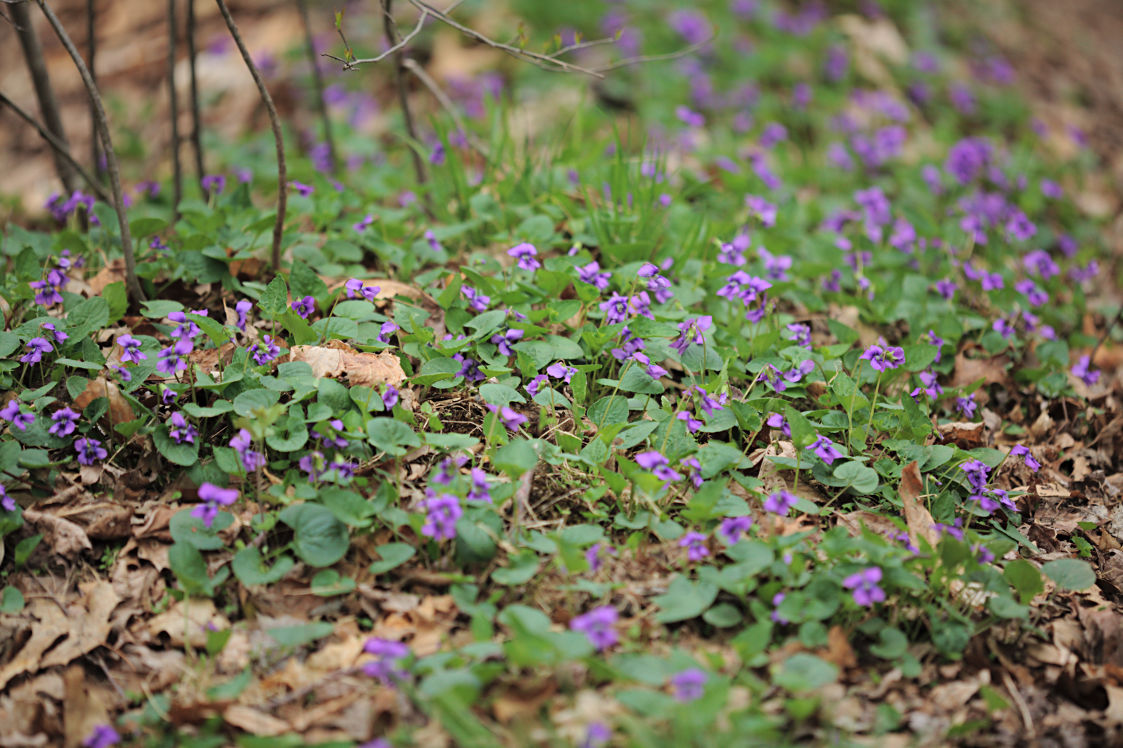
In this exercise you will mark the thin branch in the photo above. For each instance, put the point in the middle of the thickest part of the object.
(131, 280)
(352, 64)
(177, 167)
(60, 149)
(391, 31)
(544, 61)
(196, 119)
(44, 93)
(275, 123)
(643, 59)
(447, 104)
(318, 84)
(91, 48)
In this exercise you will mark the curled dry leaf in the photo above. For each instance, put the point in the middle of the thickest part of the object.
(119, 409)
(969, 370)
(963, 434)
(113, 272)
(63, 536)
(213, 360)
(917, 516)
(338, 360)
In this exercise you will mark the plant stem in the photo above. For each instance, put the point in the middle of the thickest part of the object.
(91, 46)
(131, 280)
(274, 122)
(873, 403)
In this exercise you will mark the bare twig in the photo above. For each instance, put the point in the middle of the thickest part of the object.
(391, 30)
(131, 280)
(275, 122)
(48, 104)
(196, 120)
(59, 148)
(448, 105)
(318, 84)
(644, 59)
(177, 168)
(544, 61)
(91, 49)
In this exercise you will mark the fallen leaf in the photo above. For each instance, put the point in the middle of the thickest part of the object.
(338, 360)
(838, 649)
(186, 621)
(963, 434)
(917, 516)
(991, 370)
(119, 409)
(63, 536)
(254, 722)
(112, 272)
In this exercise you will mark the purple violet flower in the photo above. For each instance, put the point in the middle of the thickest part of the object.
(89, 451)
(1030, 461)
(733, 527)
(780, 502)
(442, 513)
(65, 422)
(212, 497)
(864, 586)
(598, 625)
(525, 253)
(386, 666)
(304, 307)
(689, 685)
(695, 545)
(36, 347)
(825, 449)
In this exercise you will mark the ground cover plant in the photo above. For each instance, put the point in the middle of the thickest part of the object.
(750, 393)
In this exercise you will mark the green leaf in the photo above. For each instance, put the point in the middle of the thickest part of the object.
(391, 436)
(804, 672)
(87, 317)
(191, 531)
(520, 570)
(146, 226)
(1070, 573)
(392, 555)
(857, 476)
(304, 282)
(275, 299)
(500, 394)
(11, 600)
(117, 298)
(803, 433)
(684, 600)
(636, 379)
(328, 583)
(609, 410)
(250, 569)
(319, 538)
(893, 644)
(1025, 578)
(298, 636)
(247, 402)
(232, 688)
(515, 458)
(190, 569)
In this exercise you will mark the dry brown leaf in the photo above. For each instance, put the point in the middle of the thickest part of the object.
(254, 722)
(209, 359)
(102, 520)
(63, 536)
(187, 621)
(112, 272)
(917, 516)
(879, 523)
(338, 360)
(58, 635)
(969, 370)
(963, 434)
(119, 409)
(838, 649)
(87, 705)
